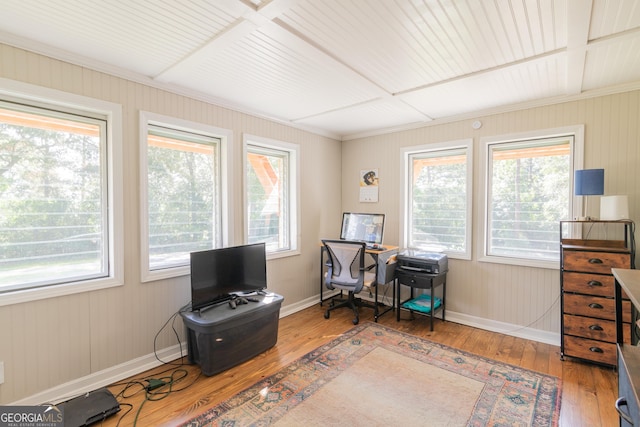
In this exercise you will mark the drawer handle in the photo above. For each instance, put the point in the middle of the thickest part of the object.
(595, 261)
(595, 328)
(596, 350)
(622, 401)
(594, 283)
(595, 305)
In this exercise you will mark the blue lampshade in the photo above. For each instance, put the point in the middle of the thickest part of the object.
(589, 182)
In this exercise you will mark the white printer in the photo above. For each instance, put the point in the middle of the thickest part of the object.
(422, 261)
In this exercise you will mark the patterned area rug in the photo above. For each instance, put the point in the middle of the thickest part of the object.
(377, 376)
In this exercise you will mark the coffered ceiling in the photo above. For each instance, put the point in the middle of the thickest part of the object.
(346, 68)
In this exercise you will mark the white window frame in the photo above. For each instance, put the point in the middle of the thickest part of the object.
(42, 97)
(577, 160)
(226, 197)
(294, 189)
(405, 183)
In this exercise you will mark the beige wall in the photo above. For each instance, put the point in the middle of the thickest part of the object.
(50, 342)
(485, 293)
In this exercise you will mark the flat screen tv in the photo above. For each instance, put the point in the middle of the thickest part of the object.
(363, 227)
(217, 273)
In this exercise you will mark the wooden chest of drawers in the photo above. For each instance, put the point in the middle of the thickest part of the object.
(588, 298)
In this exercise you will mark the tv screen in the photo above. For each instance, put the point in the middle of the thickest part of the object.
(216, 273)
(363, 227)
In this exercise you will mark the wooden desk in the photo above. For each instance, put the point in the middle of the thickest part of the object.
(380, 257)
(629, 281)
(628, 404)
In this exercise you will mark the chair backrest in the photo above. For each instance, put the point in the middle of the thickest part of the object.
(345, 268)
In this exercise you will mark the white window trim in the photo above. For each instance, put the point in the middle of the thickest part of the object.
(226, 196)
(577, 161)
(294, 205)
(466, 144)
(38, 95)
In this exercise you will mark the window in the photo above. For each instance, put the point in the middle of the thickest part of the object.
(182, 205)
(438, 198)
(271, 194)
(528, 191)
(58, 210)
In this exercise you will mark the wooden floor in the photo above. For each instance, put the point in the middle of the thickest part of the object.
(588, 393)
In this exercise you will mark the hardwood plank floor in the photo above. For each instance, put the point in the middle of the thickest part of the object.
(588, 393)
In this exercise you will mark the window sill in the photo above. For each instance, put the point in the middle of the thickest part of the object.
(552, 265)
(282, 254)
(165, 273)
(53, 291)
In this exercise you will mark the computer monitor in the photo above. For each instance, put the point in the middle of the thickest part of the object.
(363, 227)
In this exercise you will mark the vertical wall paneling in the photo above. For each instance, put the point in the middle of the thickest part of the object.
(521, 296)
(48, 343)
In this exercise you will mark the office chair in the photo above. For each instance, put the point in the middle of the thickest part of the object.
(346, 271)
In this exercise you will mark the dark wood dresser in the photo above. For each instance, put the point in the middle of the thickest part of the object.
(589, 250)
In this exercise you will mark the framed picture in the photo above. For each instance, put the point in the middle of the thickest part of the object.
(369, 182)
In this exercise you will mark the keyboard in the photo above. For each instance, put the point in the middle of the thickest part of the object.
(376, 248)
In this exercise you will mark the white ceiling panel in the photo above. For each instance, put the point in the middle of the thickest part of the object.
(610, 64)
(513, 85)
(402, 45)
(345, 67)
(360, 118)
(144, 36)
(611, 17)
(263, 71)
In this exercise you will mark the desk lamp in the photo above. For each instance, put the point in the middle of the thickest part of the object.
(614, 208)
(588, 182)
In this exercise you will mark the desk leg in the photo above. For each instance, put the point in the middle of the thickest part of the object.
(377, 312)
(321, 273)
(433, 297)
(375, 304)
(444, 297)
(618, 305)
(397, 295)
(394, 296)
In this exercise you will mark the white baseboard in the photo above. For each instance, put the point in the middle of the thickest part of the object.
(136, 366)
(299, 306)
(538, 335)
(103, 378)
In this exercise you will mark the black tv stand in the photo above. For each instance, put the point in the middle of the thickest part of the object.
(219, 338)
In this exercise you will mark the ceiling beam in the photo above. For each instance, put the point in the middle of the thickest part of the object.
(578, 23)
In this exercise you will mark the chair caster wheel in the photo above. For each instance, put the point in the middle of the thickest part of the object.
(326, 314)
(356, 321)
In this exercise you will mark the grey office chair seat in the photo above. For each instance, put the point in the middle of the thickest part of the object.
(346, 271)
